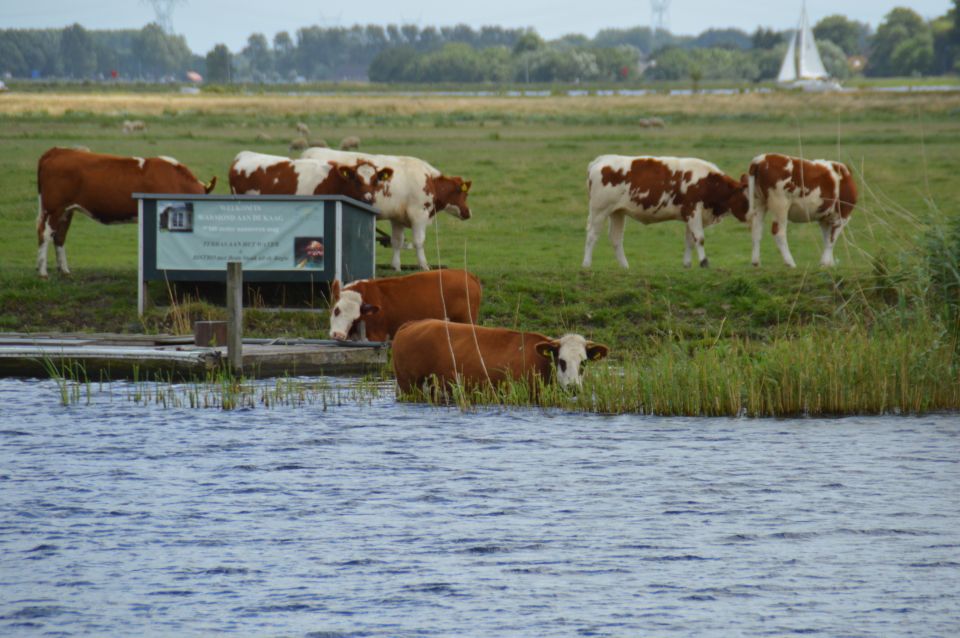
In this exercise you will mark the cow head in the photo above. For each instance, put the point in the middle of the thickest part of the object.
(355, 181)
(449, 195)
(737, 202)
(570, 353)
(347, 312)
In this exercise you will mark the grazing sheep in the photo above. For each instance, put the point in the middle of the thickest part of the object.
(298, 144)
(318, 142)
(303, 129)
(350, 143)
(264, 137)
(133, 126)
(651, 122)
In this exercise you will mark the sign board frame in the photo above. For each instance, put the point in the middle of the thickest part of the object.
(345, 221)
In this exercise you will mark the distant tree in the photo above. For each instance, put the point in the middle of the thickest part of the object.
(639, 37)
(284, 55)
(11, 59)
(902, 45)
(617, 63)
(722, 39)
(714, 64)
(259, 57)
(834, 59)
(946, 41)
(572, 40)
(219, 60)
(77, 51)
(765, 38)
(161, 54)
(529, 41)
(394, 64)
(849, 35)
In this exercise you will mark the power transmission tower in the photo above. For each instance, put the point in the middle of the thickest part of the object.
(658, 19)
(163, 9)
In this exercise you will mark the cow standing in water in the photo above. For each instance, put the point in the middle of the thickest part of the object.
(411, 198)
(384, 305)
(259, 174)
(658, 189)
(100, 186)
(800, 191)
(478, 357)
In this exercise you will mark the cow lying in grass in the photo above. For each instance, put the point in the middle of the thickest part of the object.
(479, 357)
(383, 305)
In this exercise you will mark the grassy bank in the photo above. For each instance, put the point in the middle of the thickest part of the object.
(527, 160)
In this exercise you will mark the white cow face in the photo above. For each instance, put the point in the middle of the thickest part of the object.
(347, 313)
(570, 353)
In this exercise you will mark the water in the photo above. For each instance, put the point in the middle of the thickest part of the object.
(400, 520)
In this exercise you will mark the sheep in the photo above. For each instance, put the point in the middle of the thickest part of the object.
(350, 143)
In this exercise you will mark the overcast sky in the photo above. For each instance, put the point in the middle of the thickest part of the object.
(207, 22)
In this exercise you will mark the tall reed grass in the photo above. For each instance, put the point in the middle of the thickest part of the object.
(219, 389)
(898, 369)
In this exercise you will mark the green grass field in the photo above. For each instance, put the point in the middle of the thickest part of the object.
(527, 159)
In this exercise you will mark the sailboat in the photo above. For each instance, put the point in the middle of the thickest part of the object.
(802, 66)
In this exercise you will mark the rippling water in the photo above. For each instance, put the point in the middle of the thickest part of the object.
(400, 520)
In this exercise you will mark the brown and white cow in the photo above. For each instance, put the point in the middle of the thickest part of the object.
(259, 174)
(98, 185)
(386, 304)
(411, 199)
(478, 356)
(799, 190)
(658, 189)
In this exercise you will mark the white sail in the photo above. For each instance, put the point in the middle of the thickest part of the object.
(802, 61)
(788, 70)
(809, 64)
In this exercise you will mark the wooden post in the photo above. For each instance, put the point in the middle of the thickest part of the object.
(235, 315)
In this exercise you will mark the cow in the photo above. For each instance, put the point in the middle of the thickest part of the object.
(657, 189)
(477, 356)
(100, 186)
(386, 304)
(411, 199)
(258, 174)
(799, 190)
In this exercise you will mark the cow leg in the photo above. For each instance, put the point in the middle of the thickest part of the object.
(695, 228)
(419, 232)
(396, 242)
(831, 232)
(756, 230)
(59, 237)
(779, 209)
(688, 247)
(594, 226)
(617, 223)
(44, 235)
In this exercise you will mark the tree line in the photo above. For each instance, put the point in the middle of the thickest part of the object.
(903, 44)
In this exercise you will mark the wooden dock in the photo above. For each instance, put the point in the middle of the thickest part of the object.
(128, 356)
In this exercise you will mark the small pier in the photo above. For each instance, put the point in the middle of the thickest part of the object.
(128, 356)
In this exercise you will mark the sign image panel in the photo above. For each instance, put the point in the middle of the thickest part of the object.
(264, 235)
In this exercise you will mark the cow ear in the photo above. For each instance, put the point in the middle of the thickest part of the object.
(346, 172)
(547, 349)
(596, 351)
(368, 309)
(744, 180)
(465, 187)
(335, 291)
(209, 186)
(385, 174)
